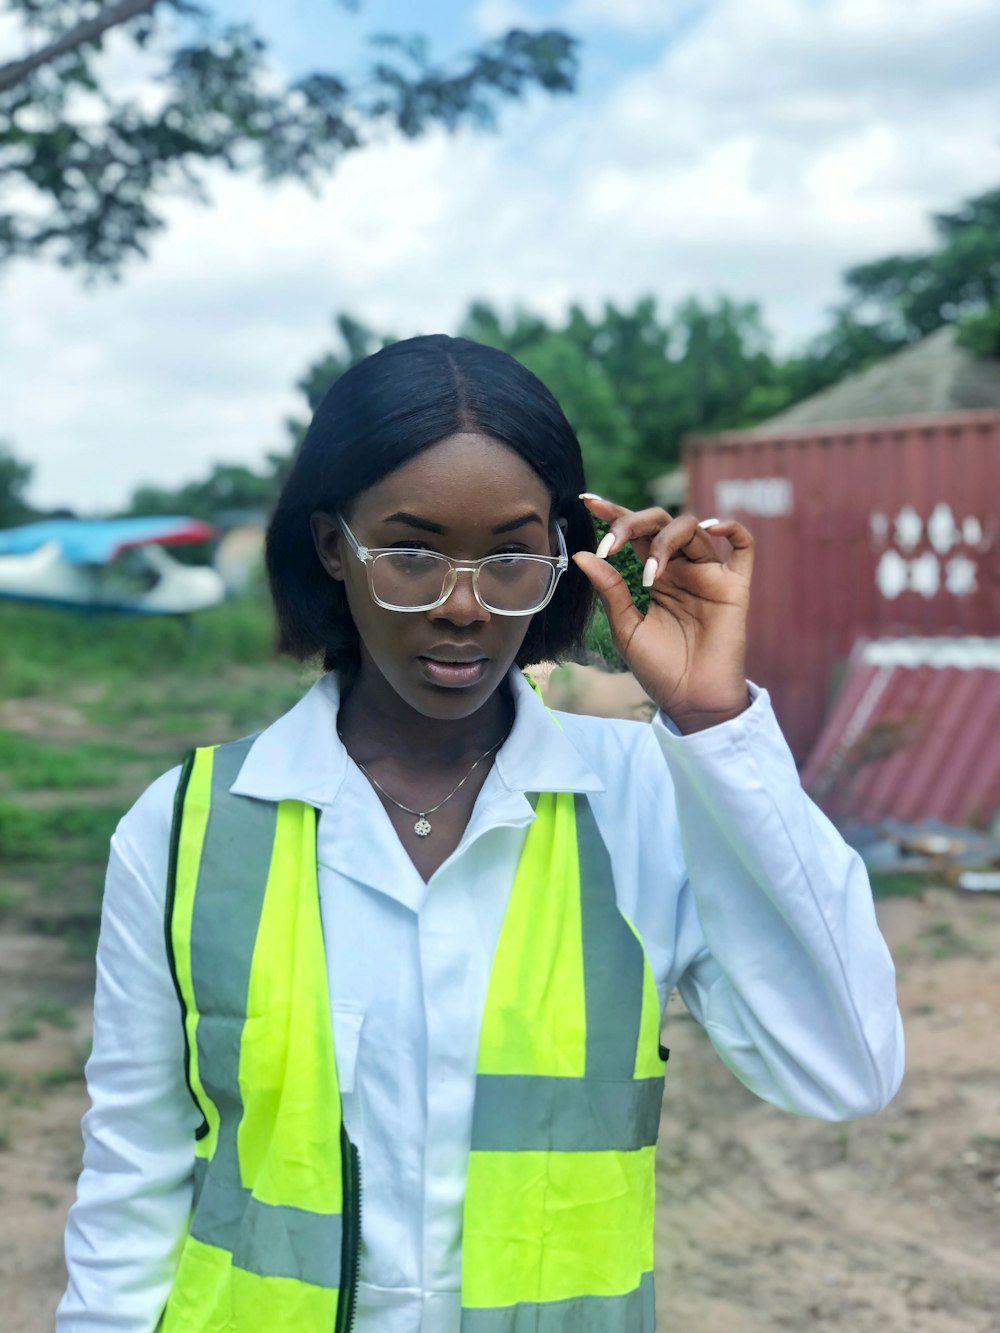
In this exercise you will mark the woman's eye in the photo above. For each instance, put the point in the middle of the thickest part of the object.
(412, 561)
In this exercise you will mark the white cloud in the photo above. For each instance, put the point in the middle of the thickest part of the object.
(646, 17)
(635, 16)
(758, 153)
(492, 17)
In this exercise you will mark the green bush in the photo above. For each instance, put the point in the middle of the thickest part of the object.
(599, 639)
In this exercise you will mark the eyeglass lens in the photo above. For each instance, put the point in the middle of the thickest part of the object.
(409, 579)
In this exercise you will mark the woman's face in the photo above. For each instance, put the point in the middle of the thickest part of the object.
(467, 496)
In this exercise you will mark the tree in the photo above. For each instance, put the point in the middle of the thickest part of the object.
(86, 166)
(585, 392)
(912, 295)
(700, 368)
(14, 478)
(228, 487)
(848, 345)
(901, 298)
(358, 342)
(633, 383)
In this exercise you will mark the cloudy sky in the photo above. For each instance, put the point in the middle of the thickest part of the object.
(751, 147)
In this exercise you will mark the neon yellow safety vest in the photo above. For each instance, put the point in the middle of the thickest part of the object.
(558, 1219)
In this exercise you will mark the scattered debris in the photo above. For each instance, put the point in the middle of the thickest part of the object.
(961, 857)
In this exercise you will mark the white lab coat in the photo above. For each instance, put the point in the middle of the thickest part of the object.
(745, 896)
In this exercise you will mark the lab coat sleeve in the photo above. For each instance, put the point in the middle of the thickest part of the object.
(793, 981)
(124, 1232)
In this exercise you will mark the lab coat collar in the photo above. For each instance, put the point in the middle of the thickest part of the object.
(300, 756)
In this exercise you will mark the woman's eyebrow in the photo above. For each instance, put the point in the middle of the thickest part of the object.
(520, 522)
(425, 524)
(412, 521)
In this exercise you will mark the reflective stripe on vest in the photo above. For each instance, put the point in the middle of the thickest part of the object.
(558, 1217)
(557, 1233)
(245, 938)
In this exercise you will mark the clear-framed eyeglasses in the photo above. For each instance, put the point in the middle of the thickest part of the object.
(413, 579)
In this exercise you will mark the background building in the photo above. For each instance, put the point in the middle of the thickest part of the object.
(875, 505)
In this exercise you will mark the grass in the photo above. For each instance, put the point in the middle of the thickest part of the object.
(145, 689)
(42, 649)
(210, 706)
(24, 1022)
(21, 1028)
(942, 940)
(63, 851)
(70, 833)
(27, 764)
(886, 885)
(59, 1075)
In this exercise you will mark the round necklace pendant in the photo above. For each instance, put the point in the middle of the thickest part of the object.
(422, 827)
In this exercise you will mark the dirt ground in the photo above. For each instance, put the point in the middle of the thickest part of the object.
(766, 1221)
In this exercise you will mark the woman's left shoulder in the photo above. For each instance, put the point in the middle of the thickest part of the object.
(613, 744)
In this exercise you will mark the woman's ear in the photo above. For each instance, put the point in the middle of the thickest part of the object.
(328, 541)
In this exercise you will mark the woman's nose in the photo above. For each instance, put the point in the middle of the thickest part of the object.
(461, 606)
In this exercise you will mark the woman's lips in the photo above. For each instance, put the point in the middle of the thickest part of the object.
(454, 675)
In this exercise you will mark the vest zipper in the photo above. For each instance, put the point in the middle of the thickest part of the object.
(350, 1248)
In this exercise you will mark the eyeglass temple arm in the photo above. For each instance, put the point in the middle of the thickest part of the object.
(360, 551)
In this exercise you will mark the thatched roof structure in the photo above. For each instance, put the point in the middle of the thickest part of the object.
(931, 377)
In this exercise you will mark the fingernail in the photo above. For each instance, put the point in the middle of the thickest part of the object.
(649, 572)
(607, 541)
(709, 523)
(589, 495)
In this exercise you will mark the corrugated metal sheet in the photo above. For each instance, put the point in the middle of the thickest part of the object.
(913, 735)
(868, 529)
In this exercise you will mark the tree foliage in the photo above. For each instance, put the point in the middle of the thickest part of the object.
(901, 298)
(356, 342)
(229, 489)
(15, 476)
(87, 165)
(634, 381)
(912, 295)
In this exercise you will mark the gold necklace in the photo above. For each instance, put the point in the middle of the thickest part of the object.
(423, 826)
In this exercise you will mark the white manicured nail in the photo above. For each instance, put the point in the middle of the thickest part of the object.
(649, 572)
(607, 541)
(589, 495)
(709, 523)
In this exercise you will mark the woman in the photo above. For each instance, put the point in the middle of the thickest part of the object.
(465, 1024)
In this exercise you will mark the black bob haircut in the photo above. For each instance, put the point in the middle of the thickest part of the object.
(379, 415)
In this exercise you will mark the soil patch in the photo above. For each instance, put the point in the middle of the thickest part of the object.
(765, 1221)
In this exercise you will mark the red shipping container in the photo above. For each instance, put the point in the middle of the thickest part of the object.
(863, 529)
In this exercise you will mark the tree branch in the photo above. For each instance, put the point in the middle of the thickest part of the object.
(15, 71)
